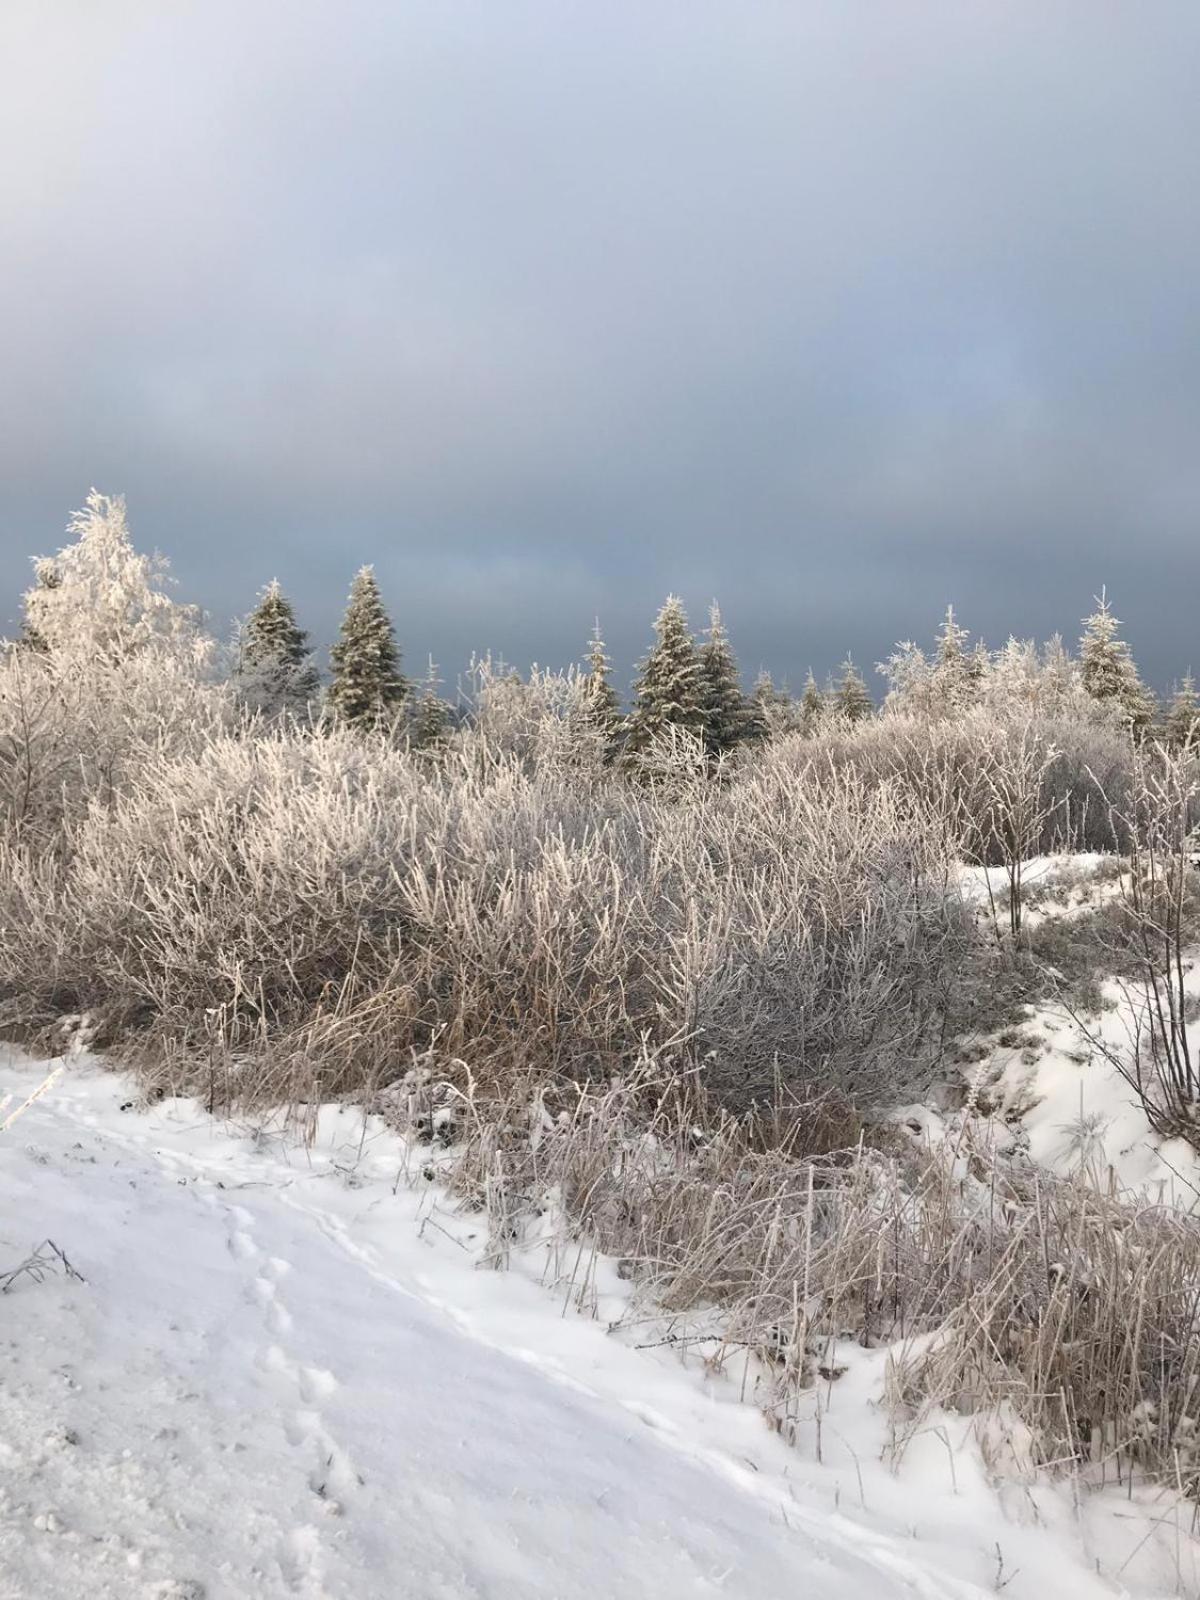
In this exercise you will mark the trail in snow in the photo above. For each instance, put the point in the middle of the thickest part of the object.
(239, 1402)
(275, 1382)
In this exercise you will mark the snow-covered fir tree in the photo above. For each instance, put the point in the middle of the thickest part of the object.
(1182, 723)
(45, 577)
(601, 705)
(851, 698)
(729, 718)
(1108, 672)
(99, 601)
(775, 709)
(276, 673)
(813, 708)
(367, 686)
(430, 718)
(669, 690)
(955, 670)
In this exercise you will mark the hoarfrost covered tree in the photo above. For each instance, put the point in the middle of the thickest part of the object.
(1108, 671)
(956, 671)
(99, 601)
(110, 671)
(276, 673)
(1182, 725)
(851, 699)
(813, 708)
(775, 710)
(669, 690)
(602, 706)
(729, 719)
(909, 676)
(368, 686)
(430, 717)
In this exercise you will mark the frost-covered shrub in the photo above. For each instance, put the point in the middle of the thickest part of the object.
(790, 925)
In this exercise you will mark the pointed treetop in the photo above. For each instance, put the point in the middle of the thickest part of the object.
(1108, 671)
(276, 672)
(851, 698)
(668, 693)
(602, 707)
(729, 719)
(367, 683)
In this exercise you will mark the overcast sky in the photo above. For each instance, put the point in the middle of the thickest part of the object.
(836, 310)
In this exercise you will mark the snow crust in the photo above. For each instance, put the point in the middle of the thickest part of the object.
(286, 1374)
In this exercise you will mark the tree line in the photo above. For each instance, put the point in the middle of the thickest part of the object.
(686, 689)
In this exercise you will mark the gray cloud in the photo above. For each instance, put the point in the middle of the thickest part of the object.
(839, 313)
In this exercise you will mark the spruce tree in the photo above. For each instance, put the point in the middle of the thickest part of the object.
(367, 682)
(669, 690)
(430, 720)
(955, 671)
(1182, 725)
(1108, 671)
(601, 706)
(812, 707)
(46, 576)
(775, 712)
(728, 718)
(275, 671)
(851, 699)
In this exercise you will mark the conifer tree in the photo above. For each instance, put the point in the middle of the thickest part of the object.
(1183, 715)
(669, 690)
(276, 672)
(430, 719)
(812, 707)
(851, 699)
(602, 707)
(775, 711)
(1108, 671)
(367, 682)
(955, 670)
(728, 717)
(46, 576)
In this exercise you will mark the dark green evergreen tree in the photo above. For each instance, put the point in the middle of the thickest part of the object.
(368, 687)
(430, 718)
(851, 699)
(669, 690)
(46, 576)
(602, 707)
(276, 672)
(1182, 726)
(1108, 671)
(812, 707)
(729, 718)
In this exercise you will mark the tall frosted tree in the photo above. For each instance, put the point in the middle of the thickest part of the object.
(812, 706)
(99, 601)
(276, 672)
(774, 709)
(851, 698)
(1182, 725)
(1108, 672)
(729, 718)
(430, 717)
(602, 706)
(956, 670)
(367, 685)
(669, 690)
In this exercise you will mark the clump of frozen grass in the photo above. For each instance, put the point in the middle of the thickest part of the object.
(345, 903)
(1051, 1312)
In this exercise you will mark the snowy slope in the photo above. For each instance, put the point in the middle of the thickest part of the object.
(275, 1381)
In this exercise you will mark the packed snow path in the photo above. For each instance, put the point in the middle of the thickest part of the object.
(240, 1401)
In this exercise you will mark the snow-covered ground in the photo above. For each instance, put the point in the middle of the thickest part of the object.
(286, 1374)
(1056, 1086)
